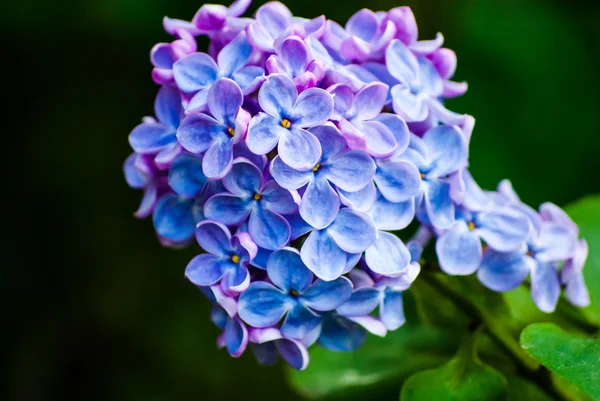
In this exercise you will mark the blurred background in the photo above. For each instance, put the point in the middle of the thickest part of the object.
(94, 308)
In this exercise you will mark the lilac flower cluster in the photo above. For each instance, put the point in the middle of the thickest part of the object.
(295, 149)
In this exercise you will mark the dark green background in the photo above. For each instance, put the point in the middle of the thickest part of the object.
(94, 308)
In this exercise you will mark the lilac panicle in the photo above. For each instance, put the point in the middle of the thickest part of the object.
(294, 150)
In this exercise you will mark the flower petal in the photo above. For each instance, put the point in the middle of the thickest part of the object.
(504, 271)
(401, 62)
(206, 269)
(278, 199)
(398, 181)
(370, 100)
(269, 230)
(360, 200)
(388, 255)
(299, 149)
(331, 140)
(320, 204)
(235, 55)
(288, 177)
(249, 78)
(224, 101)
(173, 218)
(150, 138)
(312, 108)
(407, 105)
(447, 150)
(227, 209)
(287, 271)
(398, 128)
(167, 106)
(438, 204)
(262, 305)
(342, 335)
(353, 231)
(459, 250)
(577, 292)
(245, 179)
(217, 160)
(293, 352)
(323, 256)
(555, 243)
(325, 296)
(235, 279)
(391, 310)
(379, 140)
(392, 215)
(299, 322)
(277, 96)
(198, 131)
(194, 72)
(294, 53)
(362, 302)
(545, 287)
(503, 229)
(214, 238)
(351, 170)
(236, 337)
(264, 132)
(364, 24)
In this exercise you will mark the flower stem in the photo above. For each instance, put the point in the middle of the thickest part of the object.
(527, 367)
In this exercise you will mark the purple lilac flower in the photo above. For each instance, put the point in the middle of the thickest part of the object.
(285, 116)
(304, 148)
(365, 36)
(347, 169)
(226, 259)
(294, 60)
(293, 296)
(360, 121)
(251, 196)
(216, 134)
(164, 55)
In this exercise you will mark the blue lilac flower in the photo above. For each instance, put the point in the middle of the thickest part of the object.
(226, 259)
(158, 137)
(164, 55)
(269, 344)
(326, 251)
(422, 171)
(349, 170)
(293, 296)
(251, 196)
(285, 116)
(197, 72)
(141, 173)
(216, 134)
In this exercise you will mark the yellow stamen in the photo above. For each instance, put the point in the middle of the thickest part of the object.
(231, 131)
(294, 293)
(285, 123)
(422, 175)
(235, 259)
(257, 196)
(317, 167)
(471, 226)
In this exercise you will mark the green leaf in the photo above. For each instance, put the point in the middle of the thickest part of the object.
(520, 389)
(575, 358)
(586, 213)
(380, 364)
(463, 378)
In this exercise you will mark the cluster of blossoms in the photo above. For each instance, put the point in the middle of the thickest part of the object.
(295, 149)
